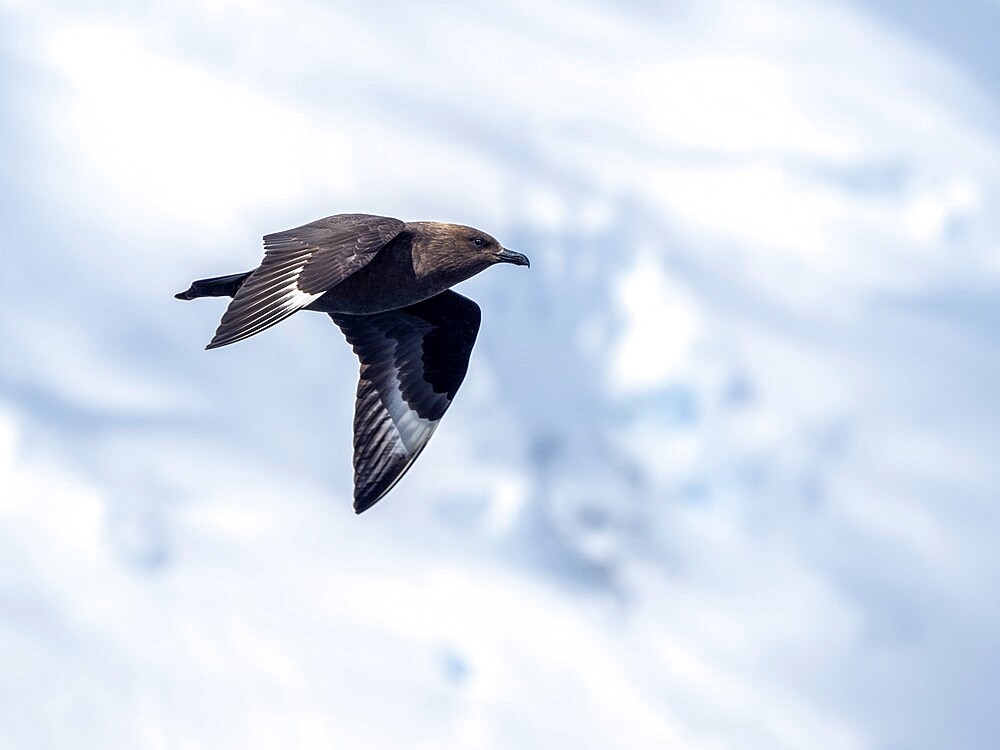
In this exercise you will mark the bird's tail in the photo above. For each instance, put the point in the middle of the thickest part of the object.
(219, 286)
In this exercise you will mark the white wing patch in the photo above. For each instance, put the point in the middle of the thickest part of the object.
(414, 431)
(271, 295)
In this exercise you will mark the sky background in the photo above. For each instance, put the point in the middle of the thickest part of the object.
(723, 473)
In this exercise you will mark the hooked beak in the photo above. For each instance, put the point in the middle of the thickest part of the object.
(509, 256)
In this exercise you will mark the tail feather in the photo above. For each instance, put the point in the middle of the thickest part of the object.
(219, 286)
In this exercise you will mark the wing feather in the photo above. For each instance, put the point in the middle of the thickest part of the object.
(299, 266)
(413, 361)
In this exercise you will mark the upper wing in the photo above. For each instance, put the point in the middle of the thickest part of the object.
(299, 266)
(412, 362)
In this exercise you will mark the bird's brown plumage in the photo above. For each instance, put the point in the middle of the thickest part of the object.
(385, 284)
(424, 259)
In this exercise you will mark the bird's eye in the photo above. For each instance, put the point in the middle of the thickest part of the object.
(478, 242)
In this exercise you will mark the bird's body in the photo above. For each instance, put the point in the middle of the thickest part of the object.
(386, 284)
(416, 260)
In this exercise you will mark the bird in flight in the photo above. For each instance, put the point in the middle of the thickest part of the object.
(387, 285)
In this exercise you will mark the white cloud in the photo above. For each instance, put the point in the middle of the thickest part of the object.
(661, 322)
(177, 144)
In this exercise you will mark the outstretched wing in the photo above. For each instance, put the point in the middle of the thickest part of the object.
(412, 362)
(299, 266)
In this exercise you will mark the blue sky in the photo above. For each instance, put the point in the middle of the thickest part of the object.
(722, 474)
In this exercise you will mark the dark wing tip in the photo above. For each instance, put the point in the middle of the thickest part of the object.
(363, 503)
(216, 343)
(372, 489)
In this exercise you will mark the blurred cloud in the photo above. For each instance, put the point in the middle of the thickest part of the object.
(722, 474)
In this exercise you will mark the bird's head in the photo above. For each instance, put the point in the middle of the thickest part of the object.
(464, 251)
(486, 247)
